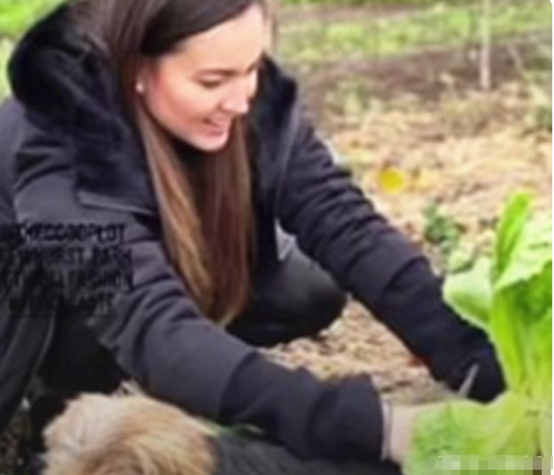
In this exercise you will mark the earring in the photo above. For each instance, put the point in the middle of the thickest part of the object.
(139, 87)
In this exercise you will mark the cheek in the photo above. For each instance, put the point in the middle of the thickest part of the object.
(186, 99)
(180, 106)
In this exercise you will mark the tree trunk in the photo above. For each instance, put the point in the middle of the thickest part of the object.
(485, 69)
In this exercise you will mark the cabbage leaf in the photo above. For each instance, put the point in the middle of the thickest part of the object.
(509, 296)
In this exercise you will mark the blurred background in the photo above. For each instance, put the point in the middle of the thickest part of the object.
(440, 109)
(383, 47)
(354, 53)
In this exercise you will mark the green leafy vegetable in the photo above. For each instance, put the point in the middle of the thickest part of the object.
(509, 296)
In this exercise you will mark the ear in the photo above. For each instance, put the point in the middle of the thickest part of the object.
(140, 79)
(144, 71)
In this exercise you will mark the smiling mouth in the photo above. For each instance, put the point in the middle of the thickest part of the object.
(218, 128)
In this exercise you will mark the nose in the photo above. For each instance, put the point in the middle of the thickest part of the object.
(237, 104)
(238, 100)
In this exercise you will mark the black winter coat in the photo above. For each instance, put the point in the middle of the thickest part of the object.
(69, 156)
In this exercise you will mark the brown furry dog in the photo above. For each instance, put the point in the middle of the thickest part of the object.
(127, 435)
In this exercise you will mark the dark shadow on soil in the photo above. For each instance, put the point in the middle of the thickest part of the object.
(427, 75)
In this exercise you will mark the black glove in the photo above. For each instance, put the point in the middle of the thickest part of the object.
(412, 306)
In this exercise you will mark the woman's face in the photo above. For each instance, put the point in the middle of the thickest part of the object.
(196, 90)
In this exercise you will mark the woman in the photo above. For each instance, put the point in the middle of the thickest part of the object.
(157, 140)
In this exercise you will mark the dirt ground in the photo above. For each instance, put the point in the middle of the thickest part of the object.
(428, 76)
(428, 137)
(433, 138)
(421, 134)
(467, 154)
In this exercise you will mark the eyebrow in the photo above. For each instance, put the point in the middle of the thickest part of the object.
(230, 71)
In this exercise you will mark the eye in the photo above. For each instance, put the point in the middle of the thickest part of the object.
(211, 83)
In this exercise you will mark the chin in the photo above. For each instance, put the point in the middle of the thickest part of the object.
(210, 144)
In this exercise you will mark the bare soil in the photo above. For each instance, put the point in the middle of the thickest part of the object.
(467, 154)
(422, 119)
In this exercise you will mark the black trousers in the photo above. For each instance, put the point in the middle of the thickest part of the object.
(292, 298)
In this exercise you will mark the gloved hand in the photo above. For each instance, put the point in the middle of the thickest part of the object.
(399, 421)
(419, 437)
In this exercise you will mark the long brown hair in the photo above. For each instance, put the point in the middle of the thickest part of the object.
(205, 205)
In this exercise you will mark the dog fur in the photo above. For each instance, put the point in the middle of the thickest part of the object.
(127, 435)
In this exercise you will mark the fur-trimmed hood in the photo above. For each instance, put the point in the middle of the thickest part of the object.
(67, 88)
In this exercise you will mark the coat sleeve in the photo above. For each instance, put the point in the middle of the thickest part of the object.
(152, 328)
(340, 228)
(159, 337)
